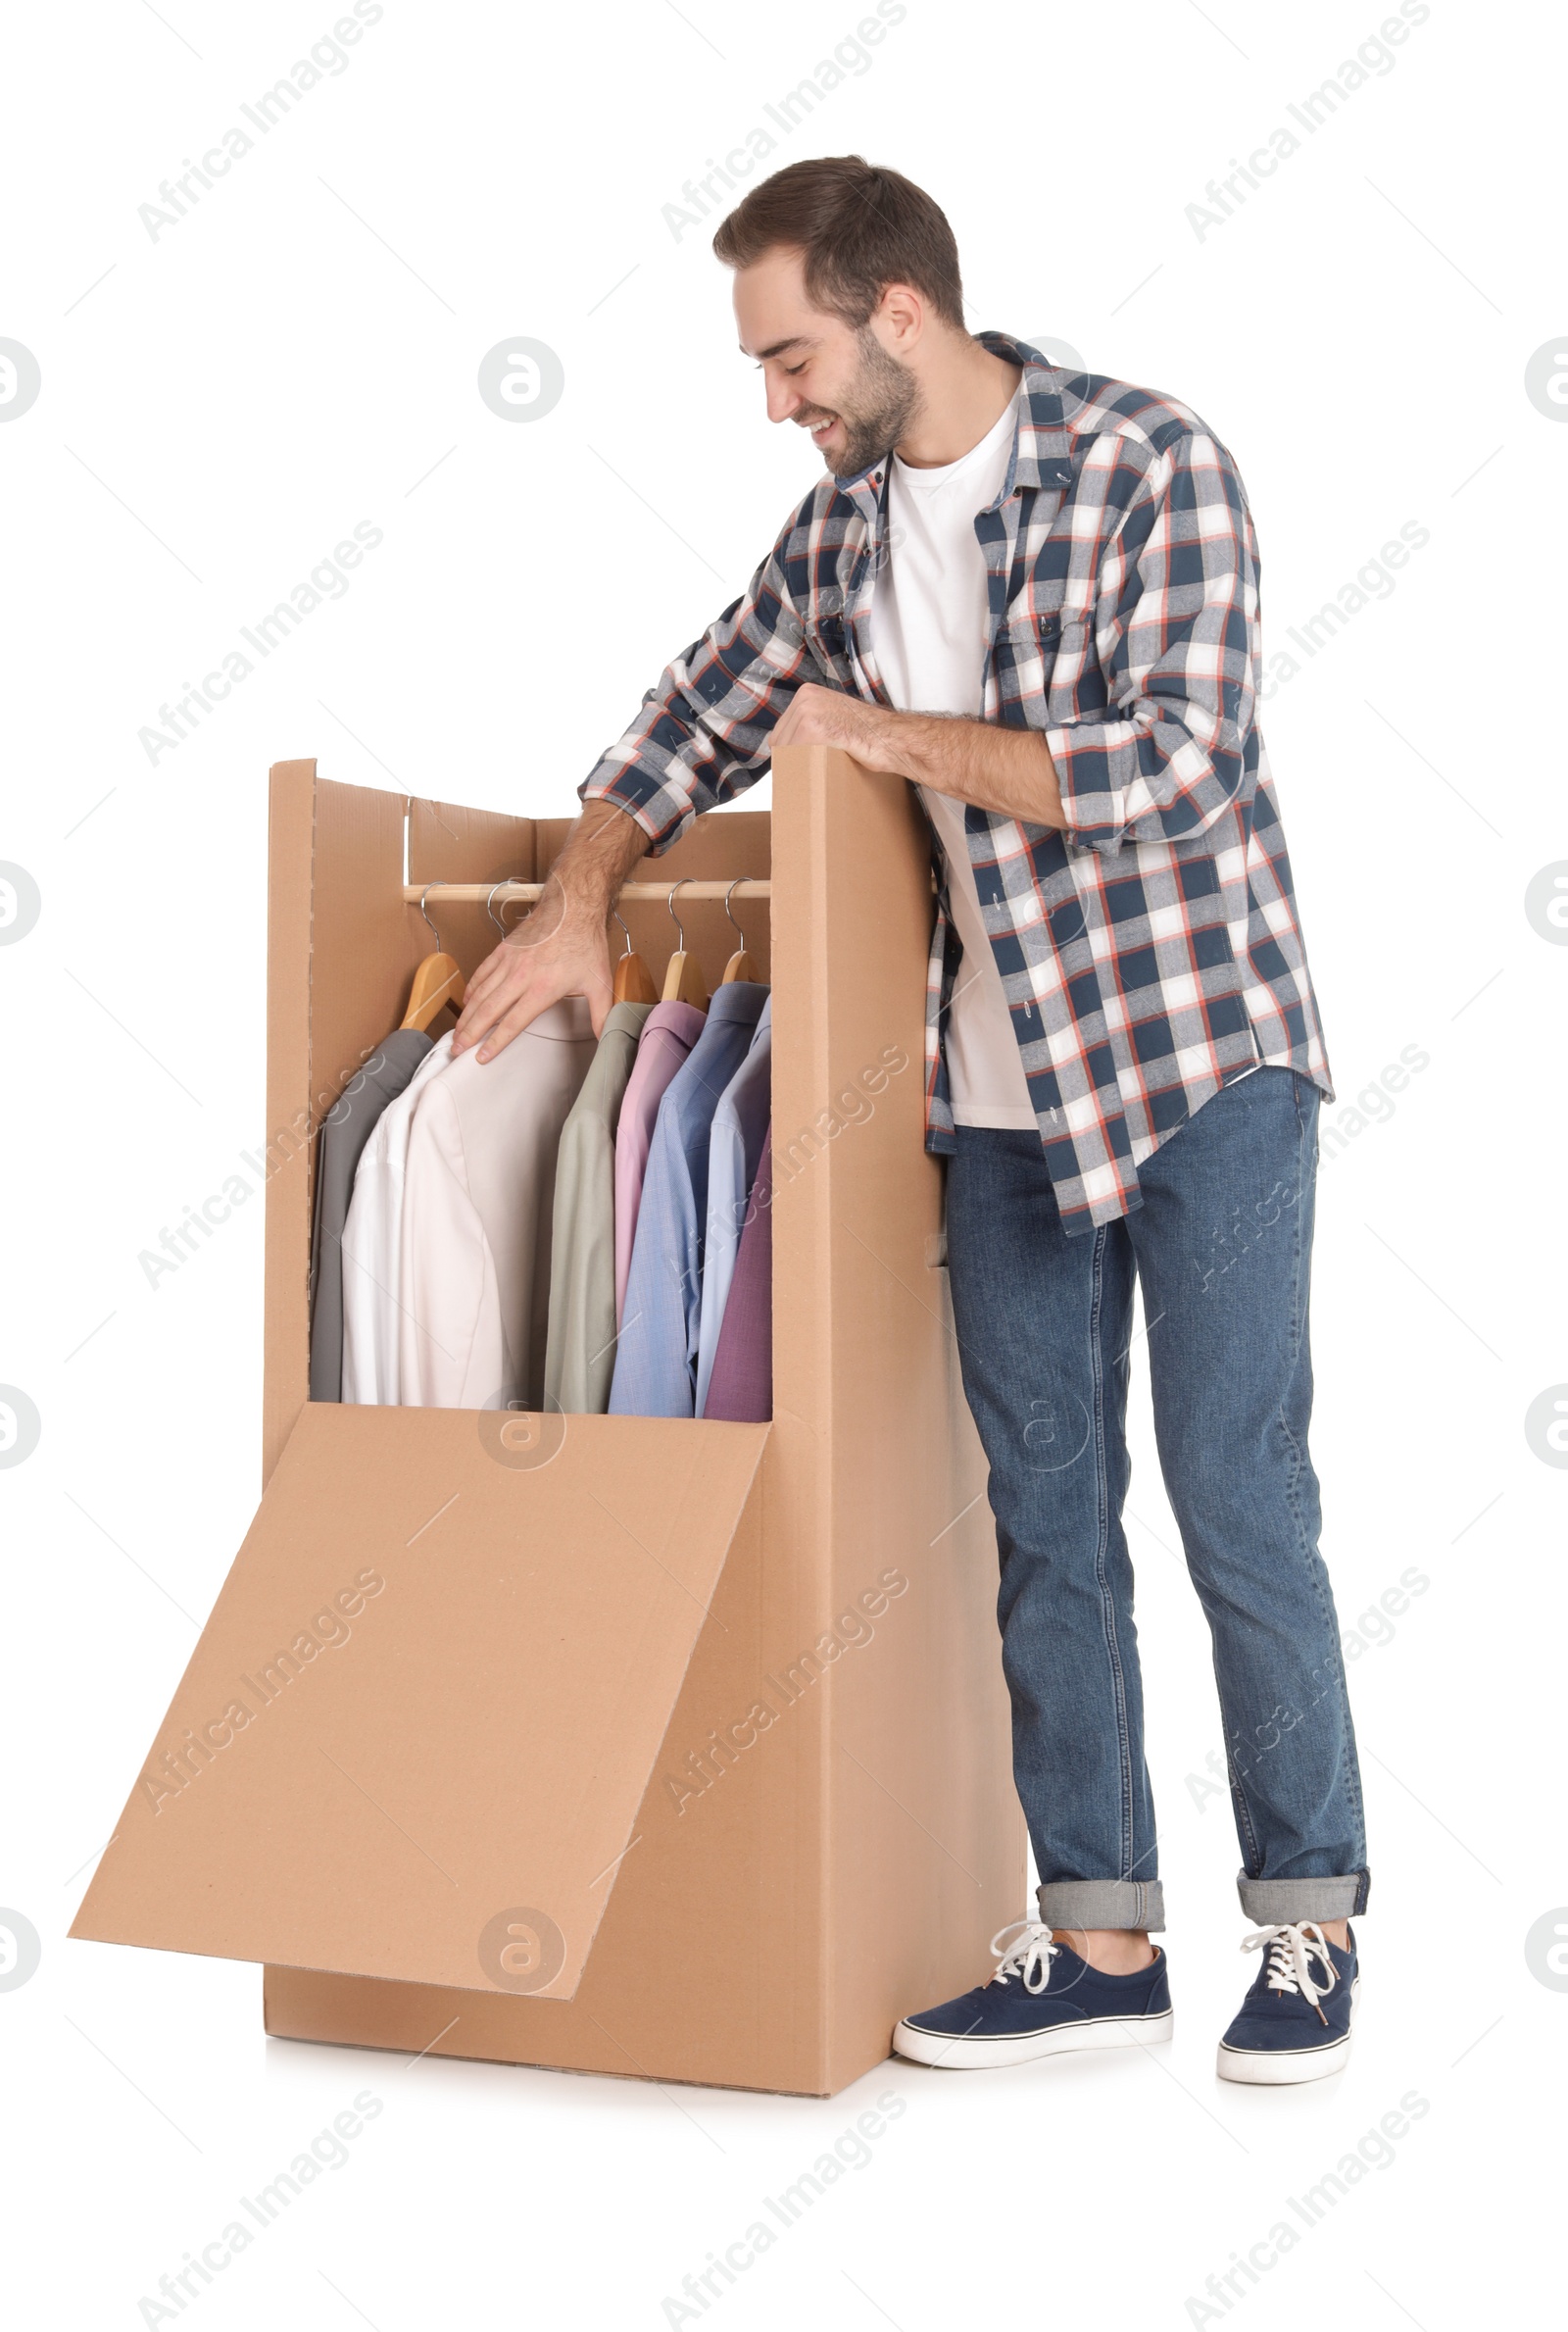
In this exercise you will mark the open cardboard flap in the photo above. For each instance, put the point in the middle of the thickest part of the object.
(414, 1737)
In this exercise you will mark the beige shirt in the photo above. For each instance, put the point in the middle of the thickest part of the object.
(474, 1270)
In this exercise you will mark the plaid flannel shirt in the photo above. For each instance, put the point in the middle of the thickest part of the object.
(1151, 952)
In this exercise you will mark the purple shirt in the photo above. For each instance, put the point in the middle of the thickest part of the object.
(668, 1034)
(741, 1387)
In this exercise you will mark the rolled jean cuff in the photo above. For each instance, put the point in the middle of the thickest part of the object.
(1104, 1903)
(1282, 1902)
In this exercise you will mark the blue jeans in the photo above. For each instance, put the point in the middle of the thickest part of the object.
(1222, 1245)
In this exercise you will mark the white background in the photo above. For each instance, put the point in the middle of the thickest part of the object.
(220, 406)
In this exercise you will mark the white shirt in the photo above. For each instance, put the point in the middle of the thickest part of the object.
(370, 1243)
(478, 1199)
(929, 621)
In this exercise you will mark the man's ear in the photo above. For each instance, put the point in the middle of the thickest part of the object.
(901, 317)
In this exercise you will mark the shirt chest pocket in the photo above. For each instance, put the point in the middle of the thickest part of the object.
(1047, 667)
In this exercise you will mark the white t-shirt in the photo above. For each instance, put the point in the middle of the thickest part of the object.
(928, 635)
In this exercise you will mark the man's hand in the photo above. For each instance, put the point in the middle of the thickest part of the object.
(562, 947)
(1008, 770)
(817, 716)
(553, 953)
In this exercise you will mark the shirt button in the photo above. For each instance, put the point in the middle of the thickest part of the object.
(1049, 626)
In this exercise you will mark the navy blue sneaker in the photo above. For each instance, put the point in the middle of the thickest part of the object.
(1042, 2000)
(1295, 2023)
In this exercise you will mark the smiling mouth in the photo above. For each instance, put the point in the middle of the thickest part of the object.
(821, 429)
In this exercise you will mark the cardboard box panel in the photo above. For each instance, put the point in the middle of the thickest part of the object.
(403, 1763)
(918, 1807)
(707, 1966)
(780, 1912)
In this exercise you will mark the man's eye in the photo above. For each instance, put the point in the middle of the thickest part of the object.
(792, 369)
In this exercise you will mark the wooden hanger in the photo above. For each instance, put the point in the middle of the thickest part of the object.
(437, 980)
(740, 966)
(683, 977)
(634, 982)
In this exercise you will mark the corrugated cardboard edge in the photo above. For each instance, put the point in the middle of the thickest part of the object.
(291, 845)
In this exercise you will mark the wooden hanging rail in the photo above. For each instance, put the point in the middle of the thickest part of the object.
(747, 886)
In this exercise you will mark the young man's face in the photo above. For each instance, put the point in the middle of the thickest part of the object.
(854, 398)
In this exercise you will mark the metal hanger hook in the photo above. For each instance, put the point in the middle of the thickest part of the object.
(424, 895)
(728, 895)
(680, 939)
(490, 903)
(620, 918)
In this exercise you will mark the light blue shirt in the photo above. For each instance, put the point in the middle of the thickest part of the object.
(740, 1125)
(655, 1359)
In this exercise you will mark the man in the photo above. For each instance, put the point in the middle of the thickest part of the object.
(1035, 596)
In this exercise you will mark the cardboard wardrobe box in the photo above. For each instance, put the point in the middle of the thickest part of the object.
(645, 1746)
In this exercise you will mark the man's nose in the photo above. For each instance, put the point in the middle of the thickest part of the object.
(782, 401)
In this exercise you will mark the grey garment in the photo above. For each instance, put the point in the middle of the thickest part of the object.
(1069, 1903)
(1270, 1902)
(580, 1355)
(345, 1130)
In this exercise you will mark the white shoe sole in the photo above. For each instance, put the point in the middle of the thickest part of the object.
(962, 2053)
(1278, 2068)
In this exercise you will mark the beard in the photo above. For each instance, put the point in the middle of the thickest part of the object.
(879, 404)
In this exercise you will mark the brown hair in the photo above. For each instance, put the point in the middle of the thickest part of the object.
(860, 229)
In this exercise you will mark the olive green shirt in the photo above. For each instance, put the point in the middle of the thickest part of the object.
(580, 1352)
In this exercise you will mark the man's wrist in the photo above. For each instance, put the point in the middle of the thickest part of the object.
(596, 859)
(907, 743)
(892, 739)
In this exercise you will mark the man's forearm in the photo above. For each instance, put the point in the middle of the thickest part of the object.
(598, 853)
(1008, 770)
(1005, 769)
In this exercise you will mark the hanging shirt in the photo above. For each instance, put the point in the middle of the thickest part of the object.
(369, 1247)
(655, 1359)
(473, 1274)
(740, 1126)
(345, 1130)
(929, 622)
(580, 1355)
(741, 1387)
(668, 1035)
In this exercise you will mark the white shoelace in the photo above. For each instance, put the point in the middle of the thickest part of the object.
(1290, 1948)
(1030, 1956)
